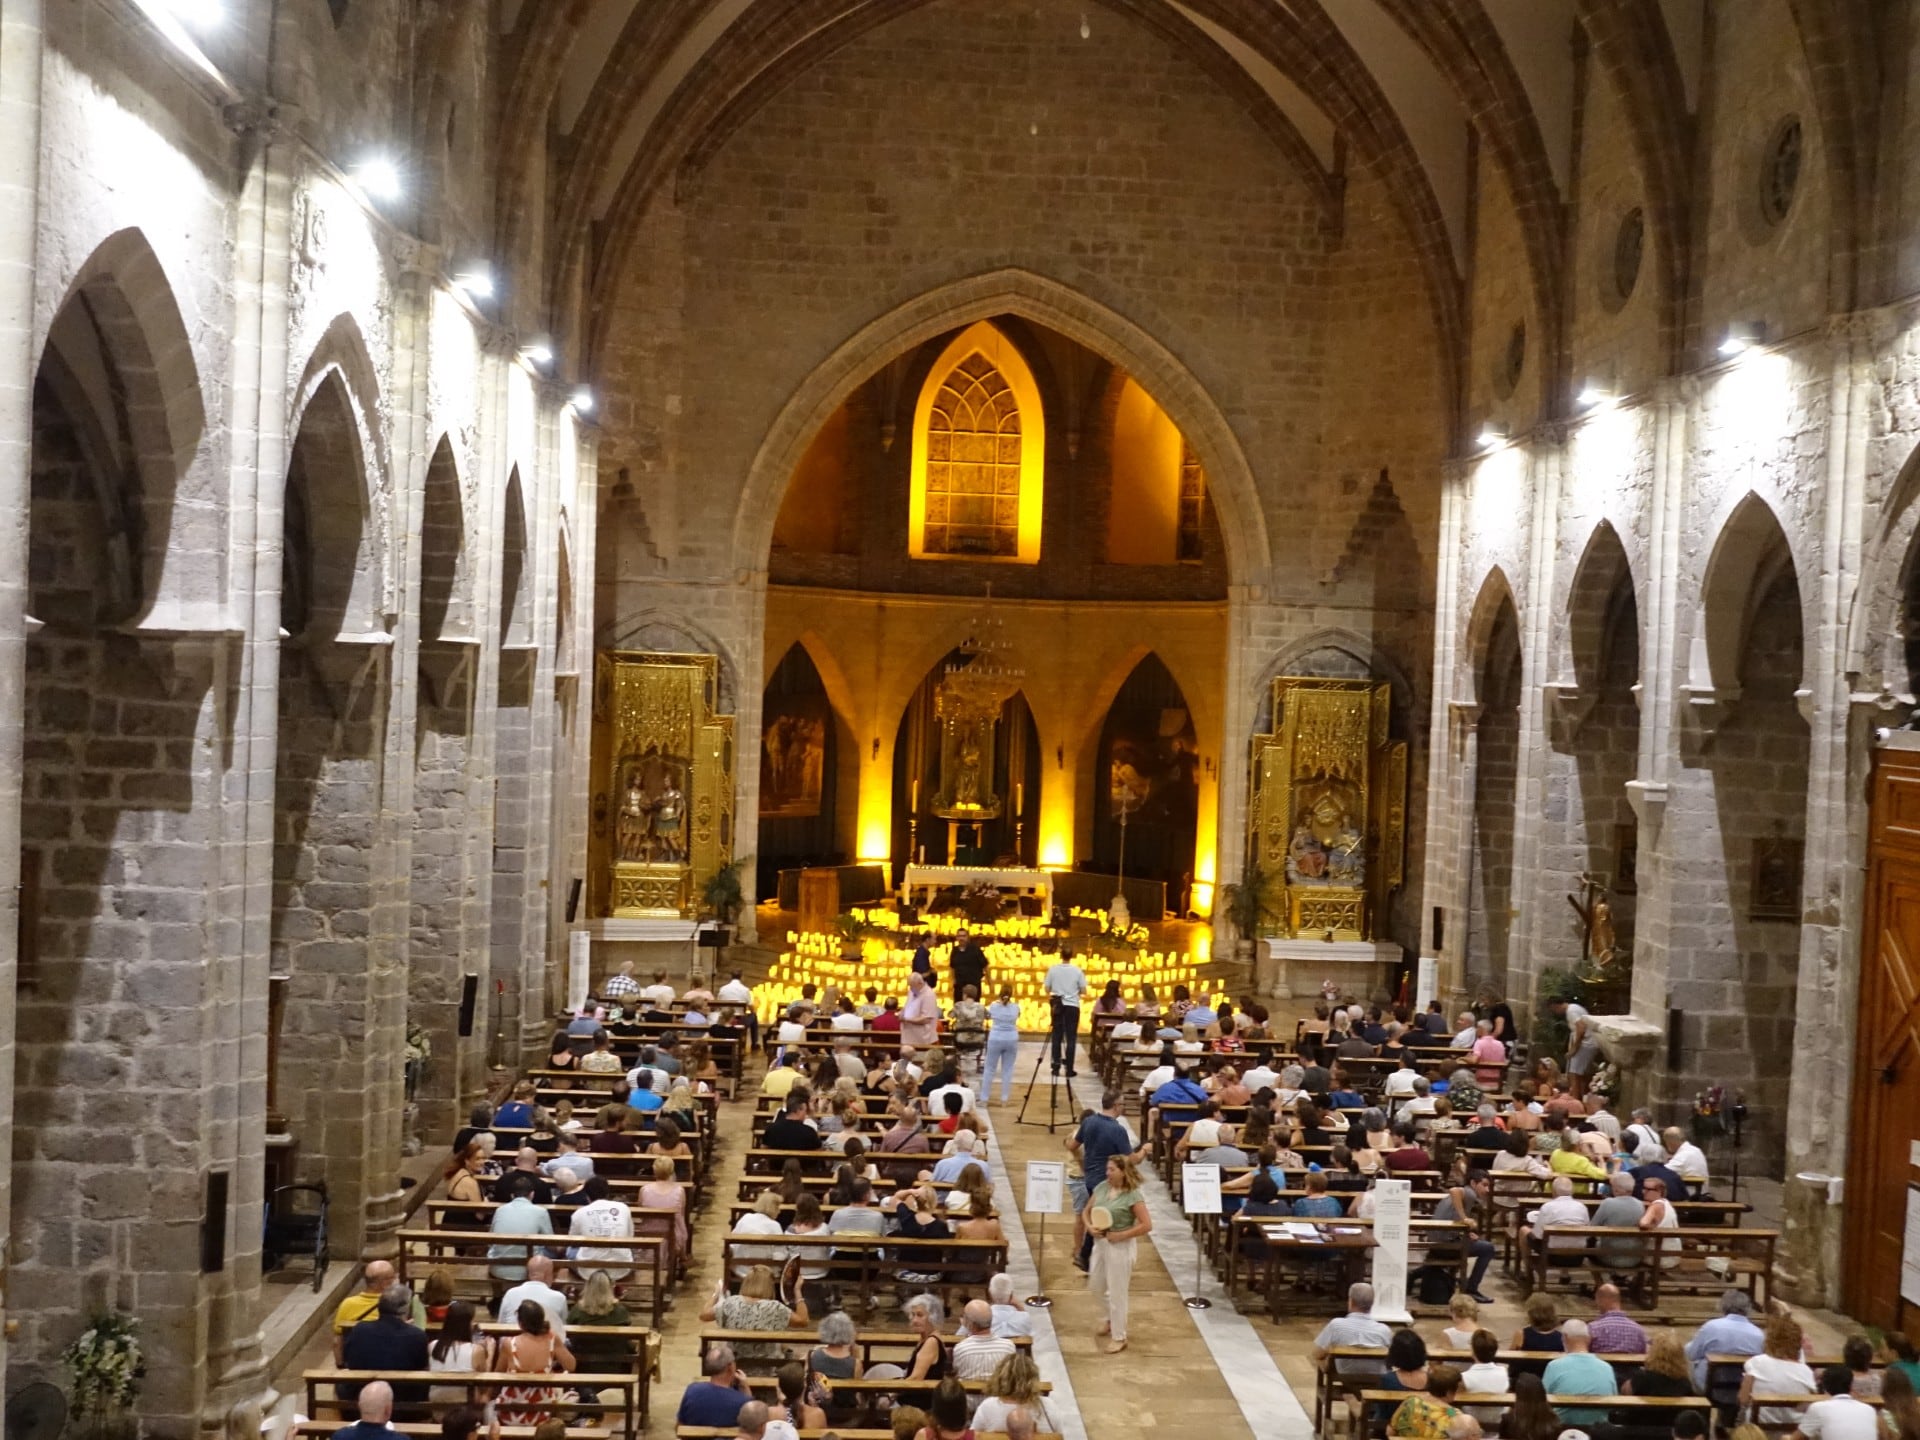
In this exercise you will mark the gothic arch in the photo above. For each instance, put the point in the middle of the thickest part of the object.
(1587, 625)
(445, 606)
(674, 634)
(1882, 618)
(516, 601)
(1333, 639)
(1495, 597)
(1750, 554)
(1044, 301)
(341, 369)
(117, 356)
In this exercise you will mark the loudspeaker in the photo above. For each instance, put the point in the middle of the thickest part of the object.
(469, 993)
(1676, 1022)
(213, 1224)
(573, 900)
(1439, 928)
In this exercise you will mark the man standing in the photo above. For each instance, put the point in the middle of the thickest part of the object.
(1066, 983)
(1099, 1138)
(920, 1018)
(922, 962)
(967, 964)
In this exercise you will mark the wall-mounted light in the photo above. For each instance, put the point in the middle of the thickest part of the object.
(378, 178)
(1742, 336)
(475, 281)
(1599, 389)
(1492, 433)
(175, 19)
(582, 399)
(538, 352)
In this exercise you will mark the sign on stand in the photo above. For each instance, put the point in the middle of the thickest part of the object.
(579, 969)
(1199, 1195)
(1046, 1195)
(1392, 1226)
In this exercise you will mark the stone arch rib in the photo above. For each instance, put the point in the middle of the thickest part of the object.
(1047, 302)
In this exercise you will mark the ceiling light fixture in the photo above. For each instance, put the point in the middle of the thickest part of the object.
(378, 178)
(475, 281)
(583, 399)
(1742, 336)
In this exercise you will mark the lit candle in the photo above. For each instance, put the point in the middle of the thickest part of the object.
(914, 802)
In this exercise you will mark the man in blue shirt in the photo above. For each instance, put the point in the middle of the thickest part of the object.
(716, 1400)
(1731, 1332)
(951, 1167)
(1099, 1138)
(1579, 1372)
(1065, 984)
(1181, 1090)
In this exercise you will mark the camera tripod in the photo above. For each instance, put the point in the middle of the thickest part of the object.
(1053, 1095)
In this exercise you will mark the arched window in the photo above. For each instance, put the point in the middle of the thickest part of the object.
(978, 442)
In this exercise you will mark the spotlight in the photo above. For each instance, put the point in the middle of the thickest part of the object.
(538, 351)
(1597, 391)
(583, 400)
(475, 282)
(1742, 336)
(378, 178)
(1493, 433)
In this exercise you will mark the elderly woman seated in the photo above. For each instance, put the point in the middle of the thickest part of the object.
(930, 1360)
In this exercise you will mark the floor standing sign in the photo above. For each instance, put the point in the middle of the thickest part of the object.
(1199, 1195)
(1392, 1224)
(1046, 1195)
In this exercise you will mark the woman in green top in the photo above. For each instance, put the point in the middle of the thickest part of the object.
(602, 1354)
(1117, 1233)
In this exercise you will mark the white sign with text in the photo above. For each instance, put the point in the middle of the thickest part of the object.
(1046, 1187)
(1392, 1226)
(1200, 1189)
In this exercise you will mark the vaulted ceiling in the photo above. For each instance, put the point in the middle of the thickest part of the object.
(634, 95)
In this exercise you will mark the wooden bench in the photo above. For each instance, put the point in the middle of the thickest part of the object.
(440, 1214)
(1622, 1409)
(1332, 1384)
(465, 1251)
(430, 1430)
(865, 1341)
(1745, 1256)
(323, 1398)
(869, 1263)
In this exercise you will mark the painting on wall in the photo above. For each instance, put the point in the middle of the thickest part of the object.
(793, 756)
(1775, 890)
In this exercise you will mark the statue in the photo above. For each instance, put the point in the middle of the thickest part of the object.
(630, 832)
(1306, 861)
(1596, 919)
(669, 816)
(966, 783)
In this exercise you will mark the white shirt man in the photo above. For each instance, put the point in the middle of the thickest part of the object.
(848, 1020)
(1400, 1083)
(792, 1031)
(1157, 1077)
(1562, 1210)
(1260, 1077)
(979, 1351)
(603, 1219)
(1840, 1417)
(1467, 1033)
(659, 994)
(937, 1100)
(736, 992)
(536, 1287)
(1066, 982)
(1009, 1320)
(1685, 1159)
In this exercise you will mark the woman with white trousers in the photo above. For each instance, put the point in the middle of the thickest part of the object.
(1117, 1216)
(1003, 1042)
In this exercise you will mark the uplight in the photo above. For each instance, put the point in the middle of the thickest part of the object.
(583, 400)
(1493, 433)
(1742, 336)
(475, 282)
(378, 178)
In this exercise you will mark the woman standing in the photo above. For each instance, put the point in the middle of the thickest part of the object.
(1003, 1043)
(1117, 1216)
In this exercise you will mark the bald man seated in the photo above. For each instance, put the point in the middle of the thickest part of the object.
(362, 1304)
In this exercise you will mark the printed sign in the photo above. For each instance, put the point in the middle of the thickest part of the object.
(579, 968)
(1392, 1226)
(1200, 1189)
(1046, 1187)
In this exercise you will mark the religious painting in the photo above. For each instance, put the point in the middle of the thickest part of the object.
(1774, 889)
(793, 756)
(1151, 759)
(1626, 858)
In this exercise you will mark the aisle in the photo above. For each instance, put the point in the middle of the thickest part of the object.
(1170, 1378)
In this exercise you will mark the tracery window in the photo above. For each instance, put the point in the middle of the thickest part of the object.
(977, 454)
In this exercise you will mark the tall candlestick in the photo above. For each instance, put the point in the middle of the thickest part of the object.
(914, 793)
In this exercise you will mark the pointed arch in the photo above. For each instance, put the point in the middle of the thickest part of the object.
(444, 608)
(341, 372)
(515, 604)
(979, 453)
(1491, 605)
(1045, 301)
(1750, 556)
(117, 358)
(1593, 597)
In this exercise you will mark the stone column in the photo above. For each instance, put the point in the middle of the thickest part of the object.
(243, 906)
(1439, 888)
(20, 79)
(1827, 992)
(1548, 463)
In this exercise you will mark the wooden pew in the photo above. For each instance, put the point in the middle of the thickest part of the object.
(439, 1211)
(1747, 1255)
(323, 1401)
(866, 1264)
(464, 1252)
(1623, 1409)
(801, 1341)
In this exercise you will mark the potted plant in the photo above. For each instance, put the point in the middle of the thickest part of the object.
(1249, 907)
(107, 1367)
(722, 896)
(852, 930)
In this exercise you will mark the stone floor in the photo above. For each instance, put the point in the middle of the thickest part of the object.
(1210, 1373)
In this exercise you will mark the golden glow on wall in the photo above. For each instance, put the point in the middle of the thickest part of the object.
(979, 446)
(874, 829)
(1143, 522)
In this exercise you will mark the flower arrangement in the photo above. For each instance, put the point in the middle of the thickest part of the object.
(107, 1364)
(1606, 1081)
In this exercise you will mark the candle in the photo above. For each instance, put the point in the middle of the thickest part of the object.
(1019, 797)
(914, 803)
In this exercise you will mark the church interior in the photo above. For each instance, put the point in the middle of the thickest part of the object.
(569, 546)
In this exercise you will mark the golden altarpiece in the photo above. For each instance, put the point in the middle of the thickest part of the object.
(1329, 806)
(662, 784)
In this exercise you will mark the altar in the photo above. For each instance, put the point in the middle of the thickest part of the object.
(1299, 967)
(1015, 879)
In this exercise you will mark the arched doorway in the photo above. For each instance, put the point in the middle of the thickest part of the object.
(1145, 770)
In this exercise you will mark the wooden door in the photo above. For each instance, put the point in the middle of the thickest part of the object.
(1886, 1084)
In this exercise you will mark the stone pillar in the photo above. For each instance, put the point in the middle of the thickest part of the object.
(1827, 992)
(1548, 456)
(243, 907)
(20, 78)
(1446, 740)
